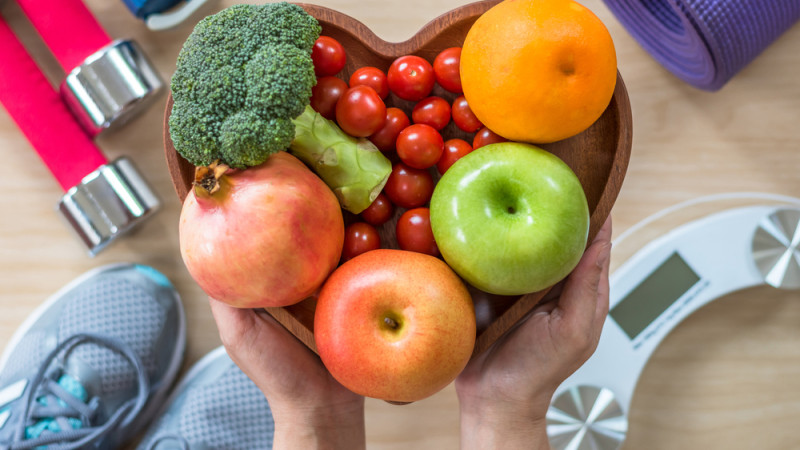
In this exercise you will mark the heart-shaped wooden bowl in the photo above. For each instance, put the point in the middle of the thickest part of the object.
(599, 155)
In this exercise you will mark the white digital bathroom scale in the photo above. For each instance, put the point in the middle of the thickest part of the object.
(663, 283)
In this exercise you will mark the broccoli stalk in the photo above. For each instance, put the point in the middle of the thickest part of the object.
(241, 87)
(353, 168)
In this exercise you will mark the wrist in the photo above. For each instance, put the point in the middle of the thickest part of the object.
(329, 427)
(503, 427)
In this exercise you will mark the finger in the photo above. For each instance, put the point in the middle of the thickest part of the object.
(602, 302)
(580, 296)
(604, 234)
(554, 293)
(545, 307)
(256, 323)
(245, 331)
(263, 348)
(236, 327)
(232, 322)
(279, 333)
(603, 290)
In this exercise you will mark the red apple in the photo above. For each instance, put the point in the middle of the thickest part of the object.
(394, 325)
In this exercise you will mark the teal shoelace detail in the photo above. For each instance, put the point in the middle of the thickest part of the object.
(53, 424)
(56, 409)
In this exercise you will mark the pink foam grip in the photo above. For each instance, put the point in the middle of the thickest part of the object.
(37, 109)
(68, 28)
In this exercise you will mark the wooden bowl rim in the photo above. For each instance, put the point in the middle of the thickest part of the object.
(390, 50)
(420, 39)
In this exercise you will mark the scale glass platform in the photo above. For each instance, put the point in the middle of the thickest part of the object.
(669, 267)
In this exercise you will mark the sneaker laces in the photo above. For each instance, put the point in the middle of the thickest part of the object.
(46, 398)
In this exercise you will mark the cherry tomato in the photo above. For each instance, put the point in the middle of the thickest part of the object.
(454, 149)
(325, 94)
(360, 111)
(386, 137)
(463, 116)
(359, 238)
(446, 69)
(328, 56)
(372, 77)
(408, 187)
(414, 232)
(485, 137)
(433, 111)
(420, 146)
(411, 77)
(379, 212)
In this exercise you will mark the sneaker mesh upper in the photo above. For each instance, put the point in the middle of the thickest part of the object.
(113, 307)
(216, 407)
(28, 354)
(230, 414)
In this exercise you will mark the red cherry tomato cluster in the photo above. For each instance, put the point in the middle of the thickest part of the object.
(368, 104)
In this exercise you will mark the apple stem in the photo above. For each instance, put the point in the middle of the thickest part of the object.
(391, 323)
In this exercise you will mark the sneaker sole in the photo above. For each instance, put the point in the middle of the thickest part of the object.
(174, 365)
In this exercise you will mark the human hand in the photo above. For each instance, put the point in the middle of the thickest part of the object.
(310, 408)
(505, 392)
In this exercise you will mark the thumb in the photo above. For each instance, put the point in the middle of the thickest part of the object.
(235, 327)
(243, 329)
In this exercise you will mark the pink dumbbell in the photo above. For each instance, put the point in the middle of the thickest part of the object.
(107, 83)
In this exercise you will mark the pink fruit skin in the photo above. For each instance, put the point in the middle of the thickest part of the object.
(421, 292)
(269, 237)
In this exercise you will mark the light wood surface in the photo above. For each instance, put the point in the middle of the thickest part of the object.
(728, 377)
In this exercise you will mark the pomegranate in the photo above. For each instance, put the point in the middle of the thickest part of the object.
(265, 236)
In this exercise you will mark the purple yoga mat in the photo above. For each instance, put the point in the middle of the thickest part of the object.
(705, 42)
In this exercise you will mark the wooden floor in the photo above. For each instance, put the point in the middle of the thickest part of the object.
(728, 377)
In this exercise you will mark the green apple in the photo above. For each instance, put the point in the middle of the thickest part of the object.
(510, 218)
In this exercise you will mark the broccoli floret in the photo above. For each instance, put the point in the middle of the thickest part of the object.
(272, 81)
(241, 92)
(241, 77)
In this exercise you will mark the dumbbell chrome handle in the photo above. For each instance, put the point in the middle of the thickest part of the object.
(110, 87)
(107, 82)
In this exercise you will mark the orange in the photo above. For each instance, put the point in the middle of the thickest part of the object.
(538, 70)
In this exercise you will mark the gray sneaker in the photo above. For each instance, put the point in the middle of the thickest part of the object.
(215, 406)
(89, 368)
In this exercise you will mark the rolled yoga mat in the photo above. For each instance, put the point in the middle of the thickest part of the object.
(705, 42)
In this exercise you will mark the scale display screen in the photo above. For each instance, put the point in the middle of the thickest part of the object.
(665, 285)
